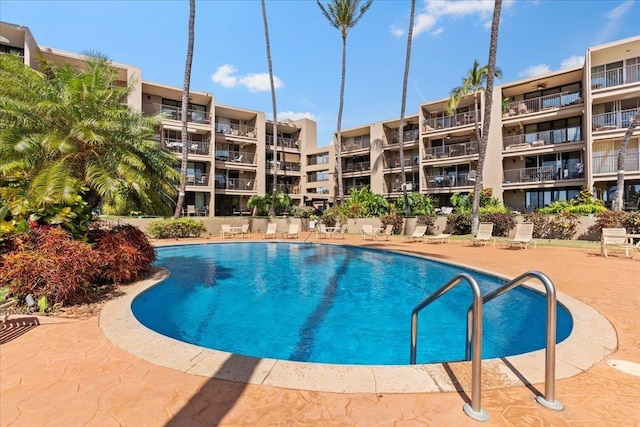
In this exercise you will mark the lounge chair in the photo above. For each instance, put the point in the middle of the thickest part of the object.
(437, 238)
(322, 231)
(418, 234)
(271, 230)
(368, 232)
(615, 238)
(484, 235)
(225, 230)
(5, 309)
(293, 232)
(342, 234)
(387, 233)
(245, 231)
(524, 236)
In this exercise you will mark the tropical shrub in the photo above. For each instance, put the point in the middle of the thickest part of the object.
(617, 219)
(260, 204)
(125, 254)
(503, 222)
(561, 226)
(429, 221)
(459, 223)
(47, 262)
(420, 204)
(395, 220)
(332, 216)
(176, 228)
(302, 211)
(364, 204)
(583, 204)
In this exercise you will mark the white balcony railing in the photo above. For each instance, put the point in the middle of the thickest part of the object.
(609, 163)
(544, 103)
(540, 139)
(242, 157)
(616, 77)
(198, 180)
(541, 174)
(175, 113)
(202, 148)
(239, 184)
(443, 122)
(614, 120)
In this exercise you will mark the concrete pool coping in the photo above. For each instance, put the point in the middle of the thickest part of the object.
(591, 340)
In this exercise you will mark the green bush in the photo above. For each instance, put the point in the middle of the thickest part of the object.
(332, 216)
(617, 219)
(302, 211)
(583, 204)
(176, 228)
(561, 226)
(459, 223)
(420, 204)
(395, 220)
(364, 204)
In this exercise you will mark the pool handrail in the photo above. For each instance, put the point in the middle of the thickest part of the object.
(474, 410)
(548, 400)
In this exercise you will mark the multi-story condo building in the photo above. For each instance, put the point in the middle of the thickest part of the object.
(230, 149)
(549, 136)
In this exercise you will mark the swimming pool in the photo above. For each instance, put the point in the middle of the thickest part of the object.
(330, 304)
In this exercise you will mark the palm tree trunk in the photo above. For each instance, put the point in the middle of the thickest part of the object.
(622, 158)
(407, 62)
(339, 126)
(272, 209)
(482, 143)
(185, 106)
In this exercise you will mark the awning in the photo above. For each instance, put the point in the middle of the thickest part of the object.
(292, 157)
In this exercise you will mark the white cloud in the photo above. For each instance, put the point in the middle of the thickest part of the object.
(397, 31)
(437, 31)
(572, 61)
(293, 115)
(255, 82)
(423, 23)
(535, 70)
(613, 16)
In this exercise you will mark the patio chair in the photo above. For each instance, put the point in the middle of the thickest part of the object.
(342, 234)
(418, 234)
(271, 230)
(191, 210)
(245, 231)
(387, 233)
(293, 232)
(322, 231)
(368, 232)
(484, 235)
(524, 236)
(437, 238)
(614, 238)
(225, 230)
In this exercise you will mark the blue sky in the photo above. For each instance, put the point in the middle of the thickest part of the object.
(230, 60)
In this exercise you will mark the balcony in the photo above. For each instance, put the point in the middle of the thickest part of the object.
(544, 103)
(284, 188)
(409, 162)
(283, 142)
(195, 147)
(412, 187)
(241, 157)
(198, 180)
(238, 184)
(317, 160)
(452, 150)
(614, 120)
(318, 190)
(284, 166)
(354, 144)
(236, 130)
(407, 136)
(175, 113)
(444, 122)
(616, 77)
(540, 174)
(609, 163)
(316, 178)
(357, 167)
(448, 181)
(540, 139)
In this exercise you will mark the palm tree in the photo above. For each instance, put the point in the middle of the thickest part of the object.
(622, 159)
(272, 209)
(407, 62)
(343, 15)
(67, 134)
(185, 106)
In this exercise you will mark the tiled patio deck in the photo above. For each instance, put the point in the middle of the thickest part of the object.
(70, 374)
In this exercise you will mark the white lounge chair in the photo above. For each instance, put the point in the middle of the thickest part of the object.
(524, 236)
(293, 232)
(437, 238)
(418, 234)
(245, 231)
(322, 231)
(342, 234)
(614, 238)
(368, 232)
(271, 230)
(387, 233)
(225, 230)
(484, 235)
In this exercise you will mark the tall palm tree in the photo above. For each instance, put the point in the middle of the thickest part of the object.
(343, 15)
(272, 209)
(407, 62)
(68, 133)
(185, 106)
(622, 159)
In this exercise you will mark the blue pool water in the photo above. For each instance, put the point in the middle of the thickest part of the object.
(331, 304)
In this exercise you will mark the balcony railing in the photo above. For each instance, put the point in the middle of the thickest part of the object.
(616, 77)
(614, 120)
(544, 103)
(284, 188)
(239, 184)
(357, 167)
(459, 119)
(283, 142)
(540, 139)
(318, 190)
(236, 130)
(199, 179)
(452, 150)
(541, 174)
(285, 166)
(242, 157)
(409, 161)
(407, 136)
(356, 145)
(175, 113)
(396, 187)
(315, 160)
(316, 178)
(449, 181)
(195, 147)
(609, 163)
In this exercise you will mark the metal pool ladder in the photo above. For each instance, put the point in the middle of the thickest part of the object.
(474, 336)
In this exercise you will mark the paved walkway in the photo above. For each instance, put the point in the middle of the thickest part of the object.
(70, 374)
